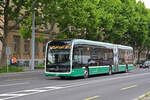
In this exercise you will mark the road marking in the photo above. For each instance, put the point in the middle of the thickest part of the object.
(51, 88)
(12, 94)
(90, 98)
(129, 87)
(19, 79)
(27, 92)
(35, 91)
(14, 84)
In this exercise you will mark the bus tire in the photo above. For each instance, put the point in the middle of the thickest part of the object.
(86, 73)
(110, 70)
(62, 77)
(126, 68)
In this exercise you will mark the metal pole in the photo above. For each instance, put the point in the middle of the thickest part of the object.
(33, 39)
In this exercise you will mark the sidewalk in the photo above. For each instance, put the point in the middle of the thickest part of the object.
(27, 71)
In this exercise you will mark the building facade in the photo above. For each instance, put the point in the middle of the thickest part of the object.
(21, 48)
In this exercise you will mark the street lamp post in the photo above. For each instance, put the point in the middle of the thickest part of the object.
(33, 39)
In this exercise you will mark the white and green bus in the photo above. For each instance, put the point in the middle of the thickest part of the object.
(78, 57)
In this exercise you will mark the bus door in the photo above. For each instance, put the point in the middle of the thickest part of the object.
(77, 57)
(115, 58)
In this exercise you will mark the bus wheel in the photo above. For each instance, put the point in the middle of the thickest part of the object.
(110, 70)
(86, 73)
(63, 77)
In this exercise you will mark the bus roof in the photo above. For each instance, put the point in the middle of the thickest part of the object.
(107, 45)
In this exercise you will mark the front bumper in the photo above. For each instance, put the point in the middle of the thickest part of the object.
(74, 73)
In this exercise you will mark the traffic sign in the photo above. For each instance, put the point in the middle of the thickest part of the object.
(8, 51)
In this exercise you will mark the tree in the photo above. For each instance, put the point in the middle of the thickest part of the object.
(138, 28)
(12, 13)
(122, 22)
(147, 41)
(81, 15)
(114, 23)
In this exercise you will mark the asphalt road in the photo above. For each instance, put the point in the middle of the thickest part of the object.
(35, 86)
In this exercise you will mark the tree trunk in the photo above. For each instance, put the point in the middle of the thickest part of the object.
(139, 52)
(3, 55)
(134, 55)
(5, 35)
(147, 54)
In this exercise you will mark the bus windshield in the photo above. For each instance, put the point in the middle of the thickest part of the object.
(58, 56)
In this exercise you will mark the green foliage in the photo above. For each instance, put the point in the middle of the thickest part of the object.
(11, 69)
(121, 22)
(79, 14)
(40, 39)
(138, 27)
(41, 66)
(25, 29)
(25, 32)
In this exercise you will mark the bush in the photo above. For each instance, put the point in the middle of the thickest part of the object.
(41, 66)
(11, 68)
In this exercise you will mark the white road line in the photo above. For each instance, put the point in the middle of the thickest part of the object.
(35, 90)
(14, 84)
(50, 88)
(14, 95)
(142, 96)
(53, 87)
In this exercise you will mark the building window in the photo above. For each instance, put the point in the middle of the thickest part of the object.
(26, 46)
(16, 44)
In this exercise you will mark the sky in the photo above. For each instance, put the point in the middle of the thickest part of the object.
(146, 2)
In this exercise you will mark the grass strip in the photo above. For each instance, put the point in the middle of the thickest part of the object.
(11, 69)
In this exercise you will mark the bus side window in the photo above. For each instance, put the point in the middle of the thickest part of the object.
(77, 58)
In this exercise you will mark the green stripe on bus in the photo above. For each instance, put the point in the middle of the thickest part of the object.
(130, 67)
(92, 71)
(121, 68)
(98, 70)
(77, 72)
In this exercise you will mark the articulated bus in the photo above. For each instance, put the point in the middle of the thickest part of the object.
(78, 57)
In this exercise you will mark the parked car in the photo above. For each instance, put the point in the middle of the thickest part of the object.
(145, 64)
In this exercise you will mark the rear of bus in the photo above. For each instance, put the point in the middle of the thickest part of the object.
(58, 55)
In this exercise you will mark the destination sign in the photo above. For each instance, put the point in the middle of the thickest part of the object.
(60, 47)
